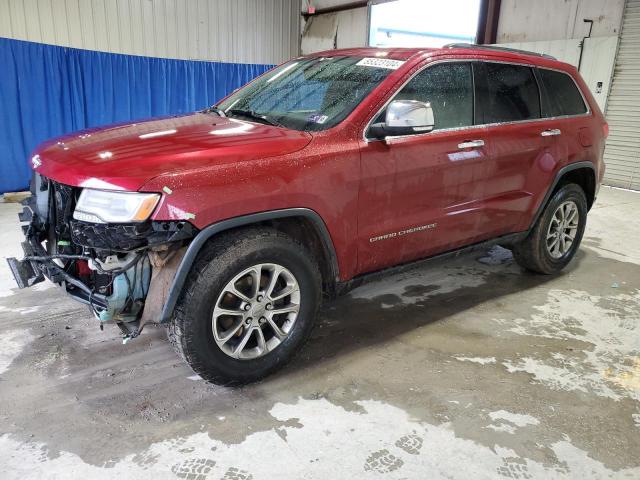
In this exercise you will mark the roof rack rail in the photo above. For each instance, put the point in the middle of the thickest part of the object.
(499, 49)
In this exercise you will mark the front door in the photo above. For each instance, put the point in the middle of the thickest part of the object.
(422, 194)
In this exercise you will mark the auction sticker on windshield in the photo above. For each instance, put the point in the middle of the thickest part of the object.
(380, 63)
(318, 118)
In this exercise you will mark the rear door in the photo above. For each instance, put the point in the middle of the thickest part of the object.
(511, 109)
(567, 114)
(567, 127)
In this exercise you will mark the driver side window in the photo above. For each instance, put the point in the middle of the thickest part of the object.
(449, 89)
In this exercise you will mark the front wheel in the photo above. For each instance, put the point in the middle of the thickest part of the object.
(556, 236)
(248, 305)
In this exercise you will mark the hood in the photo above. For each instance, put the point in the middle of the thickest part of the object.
(126, 156)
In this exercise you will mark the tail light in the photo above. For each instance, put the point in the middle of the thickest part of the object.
(605, 129)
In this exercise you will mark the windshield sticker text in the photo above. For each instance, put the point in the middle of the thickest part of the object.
(380, 63)
(318, 118)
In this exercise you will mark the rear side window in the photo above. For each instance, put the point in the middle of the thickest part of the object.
(449, 89)
(564, 98)
(510, 93)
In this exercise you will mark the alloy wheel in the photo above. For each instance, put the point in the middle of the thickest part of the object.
(256, 311)
(563, 229)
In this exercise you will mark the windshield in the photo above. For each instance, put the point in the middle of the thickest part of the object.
(310, 94)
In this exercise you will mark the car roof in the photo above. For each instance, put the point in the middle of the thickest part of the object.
(465, 50)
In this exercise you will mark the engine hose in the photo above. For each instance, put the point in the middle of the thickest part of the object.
(117, 271)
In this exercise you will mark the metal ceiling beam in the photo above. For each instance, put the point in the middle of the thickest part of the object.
(487, 32)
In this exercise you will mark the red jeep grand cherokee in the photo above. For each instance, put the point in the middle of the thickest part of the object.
(230, 224)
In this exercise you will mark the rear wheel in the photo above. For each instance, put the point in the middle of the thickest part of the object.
(556, 236)
(248, 305)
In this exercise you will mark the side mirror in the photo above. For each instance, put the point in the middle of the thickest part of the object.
(404, 117)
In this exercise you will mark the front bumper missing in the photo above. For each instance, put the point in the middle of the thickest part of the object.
(71, 253)
(25, 273)
(37, 265)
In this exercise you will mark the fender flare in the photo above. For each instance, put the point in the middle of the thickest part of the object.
(205, 234)
(563, 171)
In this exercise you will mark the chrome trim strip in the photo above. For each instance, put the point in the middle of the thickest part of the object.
(471, 127)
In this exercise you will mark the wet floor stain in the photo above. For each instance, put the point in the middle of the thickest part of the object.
(330, 436)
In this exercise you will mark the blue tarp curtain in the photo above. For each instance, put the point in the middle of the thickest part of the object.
(47, 91)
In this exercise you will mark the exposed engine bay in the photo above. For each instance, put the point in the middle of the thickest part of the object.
(108, 266)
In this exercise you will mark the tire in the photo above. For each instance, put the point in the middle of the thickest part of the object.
(191, 330)
(533, 253)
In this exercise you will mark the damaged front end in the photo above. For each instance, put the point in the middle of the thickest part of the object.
(122, 271)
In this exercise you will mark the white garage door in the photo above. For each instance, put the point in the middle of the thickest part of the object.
(622, 154)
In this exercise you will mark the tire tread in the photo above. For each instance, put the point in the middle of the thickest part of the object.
(224, 250)
(530, 253)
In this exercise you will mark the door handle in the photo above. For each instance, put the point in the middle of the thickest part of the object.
(552, 132)
(471, 144)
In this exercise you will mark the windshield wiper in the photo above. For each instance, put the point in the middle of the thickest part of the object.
(253, 116)
(216, 110)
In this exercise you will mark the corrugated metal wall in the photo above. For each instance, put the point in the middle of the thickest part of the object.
(541, 20)
(622, 154)
(244, 31)
(346, 29)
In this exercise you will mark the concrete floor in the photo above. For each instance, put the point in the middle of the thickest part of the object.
(465, 369)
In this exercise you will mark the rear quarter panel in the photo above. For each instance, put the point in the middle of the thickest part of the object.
(594, 129)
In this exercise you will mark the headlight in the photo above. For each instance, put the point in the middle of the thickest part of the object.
(102, 206)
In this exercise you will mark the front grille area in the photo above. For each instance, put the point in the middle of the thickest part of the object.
(129, 236)
(105, 236)
(64, 202)
(53, 204)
